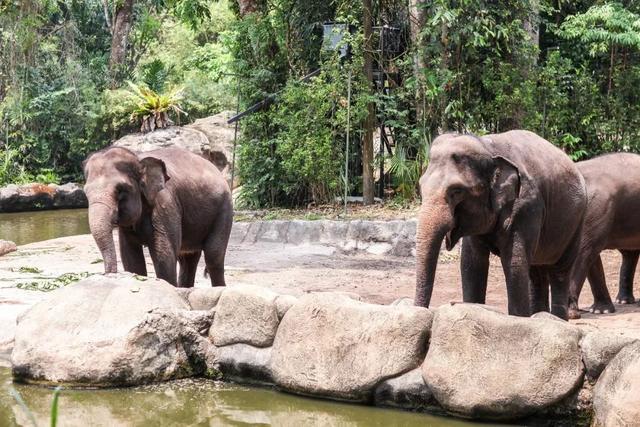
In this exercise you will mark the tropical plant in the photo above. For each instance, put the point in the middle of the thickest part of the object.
(152, 109)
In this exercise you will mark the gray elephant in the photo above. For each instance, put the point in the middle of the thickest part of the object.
(613, 189)
(173, 201)
(512, 194)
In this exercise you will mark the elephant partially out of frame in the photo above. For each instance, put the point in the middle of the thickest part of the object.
(513, 194)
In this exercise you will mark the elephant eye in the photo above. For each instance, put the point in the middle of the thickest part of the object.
(122, 190)
(456, 191)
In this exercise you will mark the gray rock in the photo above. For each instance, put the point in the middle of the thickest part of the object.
(245, 314)
(616, 395)
(7, 246)
(404, 302)
(220, 137)
(70, 195)
(33, 197)
(108, 331)
(407, 391)
(284, 303)
(599, 347)
(241, 363)
(484, 364)
(204, 298)
(209, 137)
(330, 345)
(190, 139)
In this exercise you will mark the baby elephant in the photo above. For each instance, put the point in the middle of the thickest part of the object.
(173, 201)
(611, 222)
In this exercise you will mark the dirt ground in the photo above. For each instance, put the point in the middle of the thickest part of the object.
(293, 270)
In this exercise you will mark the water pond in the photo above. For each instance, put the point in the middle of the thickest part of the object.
(196, 403)
(28, 227)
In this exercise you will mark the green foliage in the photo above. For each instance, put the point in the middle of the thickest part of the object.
(473, 68)
(152, 109)
(603, 26)
(54, 406)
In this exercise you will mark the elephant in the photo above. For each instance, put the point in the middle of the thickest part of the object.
(172, 201)
(512, 194)
(610, 222)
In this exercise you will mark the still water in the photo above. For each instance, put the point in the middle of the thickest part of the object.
(196, 403)
(28, 227)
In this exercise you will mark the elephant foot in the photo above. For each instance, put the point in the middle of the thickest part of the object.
(625, 299)
(602, 308)
(573, 313)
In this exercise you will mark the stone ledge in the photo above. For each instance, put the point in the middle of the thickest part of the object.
(396, 237)
(468, 360)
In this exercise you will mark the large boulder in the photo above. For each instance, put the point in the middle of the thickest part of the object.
(407, 391)
(485, 364)
(245, 315)
(599, 348)
(616, 397)
(189, 139)
(110, 331)
(240, 363)
(33, 197)
(220, 136)
(331, 345)
(209, 137)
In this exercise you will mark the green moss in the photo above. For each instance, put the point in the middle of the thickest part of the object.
(53, 284)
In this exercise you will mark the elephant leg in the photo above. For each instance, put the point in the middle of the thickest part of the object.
(559, 281)
(627, 273)
(539, 289)
(131, 254)
(516, 259)
(601, 298)
(215, 248)
(474, 268)
(188, 267)
(581, 266)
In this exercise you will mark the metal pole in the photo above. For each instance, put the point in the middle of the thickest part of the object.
(346, 156)
(382, 89)
(235, 138)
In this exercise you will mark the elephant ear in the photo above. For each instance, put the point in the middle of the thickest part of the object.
(505, 183)
(154, 176)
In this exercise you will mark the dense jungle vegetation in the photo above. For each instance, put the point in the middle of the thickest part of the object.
(76, 75)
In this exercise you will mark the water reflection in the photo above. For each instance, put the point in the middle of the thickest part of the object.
(27, 227)
(198, 402)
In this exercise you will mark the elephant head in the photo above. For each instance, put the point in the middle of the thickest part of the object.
(119, 187)
(464, 189)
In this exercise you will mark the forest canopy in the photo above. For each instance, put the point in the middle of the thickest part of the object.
(77, 75)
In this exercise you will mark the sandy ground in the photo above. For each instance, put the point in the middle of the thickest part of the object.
(294, 270)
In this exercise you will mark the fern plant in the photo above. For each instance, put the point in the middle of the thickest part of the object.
(152, 109)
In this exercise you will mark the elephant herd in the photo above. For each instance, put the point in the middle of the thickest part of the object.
(519, 197)
(511, 194)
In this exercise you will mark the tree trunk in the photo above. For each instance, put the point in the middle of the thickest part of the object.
(122, 23)
(416, 23)
(532, 24)
(247, 7)
(370, 121)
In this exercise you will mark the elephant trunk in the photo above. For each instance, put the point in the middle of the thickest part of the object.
(436, 219)
(101, 223)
